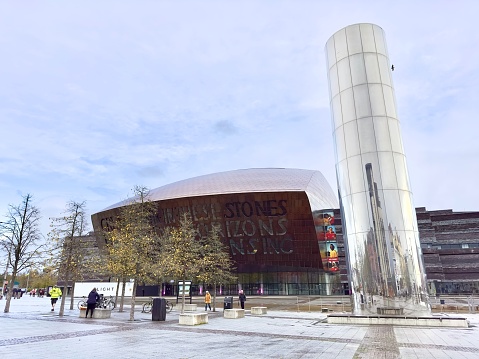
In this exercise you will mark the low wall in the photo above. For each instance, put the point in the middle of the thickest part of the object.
(398, 320)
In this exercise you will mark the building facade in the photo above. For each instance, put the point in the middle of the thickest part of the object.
(449, 240)
(277, 223)
(450, 246)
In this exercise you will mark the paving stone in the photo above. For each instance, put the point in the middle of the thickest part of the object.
(30, 327)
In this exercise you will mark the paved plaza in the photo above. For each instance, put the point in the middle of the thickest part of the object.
(32, 330)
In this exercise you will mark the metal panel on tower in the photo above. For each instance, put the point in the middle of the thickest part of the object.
(386, 269)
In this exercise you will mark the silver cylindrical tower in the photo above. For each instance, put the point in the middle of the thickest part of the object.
(386, 269)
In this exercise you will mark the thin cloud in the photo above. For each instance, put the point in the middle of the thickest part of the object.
(96, 97)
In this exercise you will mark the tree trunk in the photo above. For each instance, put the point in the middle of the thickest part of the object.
(133, 298)
(8, 298)
(64, 295)
(117, 290)
(12, 283)
(67, 277)
(122, 300)
(72, 298)
(183, 298)
(214, 297)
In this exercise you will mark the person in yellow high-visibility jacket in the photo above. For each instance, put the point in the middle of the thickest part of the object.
(55, 293)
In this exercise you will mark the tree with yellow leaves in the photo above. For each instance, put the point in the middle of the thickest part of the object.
(132, 246)
(181, 253)
(216, 265)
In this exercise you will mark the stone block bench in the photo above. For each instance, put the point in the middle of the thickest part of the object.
(390, 311)
(259, 310)
(193, 318)
(191, 307)
(98, 313)
(233, 313)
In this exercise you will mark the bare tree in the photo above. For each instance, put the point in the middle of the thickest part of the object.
(67, 246)
(21, 240)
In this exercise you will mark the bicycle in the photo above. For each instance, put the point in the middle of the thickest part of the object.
(149, 305)
(82, 303)
(104, 302)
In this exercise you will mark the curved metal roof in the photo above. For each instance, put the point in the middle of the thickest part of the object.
(247, 180)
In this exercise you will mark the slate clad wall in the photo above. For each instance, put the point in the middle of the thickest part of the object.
(439, 230)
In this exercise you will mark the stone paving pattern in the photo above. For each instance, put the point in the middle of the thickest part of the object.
(31, 328)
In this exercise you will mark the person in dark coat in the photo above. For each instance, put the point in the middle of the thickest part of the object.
(93, 298)
(242, 298)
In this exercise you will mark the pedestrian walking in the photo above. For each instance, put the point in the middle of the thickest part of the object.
(242, 298)
(207, 300)
(55, 293)
(93, 298)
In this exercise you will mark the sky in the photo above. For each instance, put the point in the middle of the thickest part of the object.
(99, 96)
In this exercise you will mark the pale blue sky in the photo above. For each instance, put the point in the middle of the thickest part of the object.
(98, 96)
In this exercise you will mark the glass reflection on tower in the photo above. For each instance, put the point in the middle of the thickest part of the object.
(379, 225)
